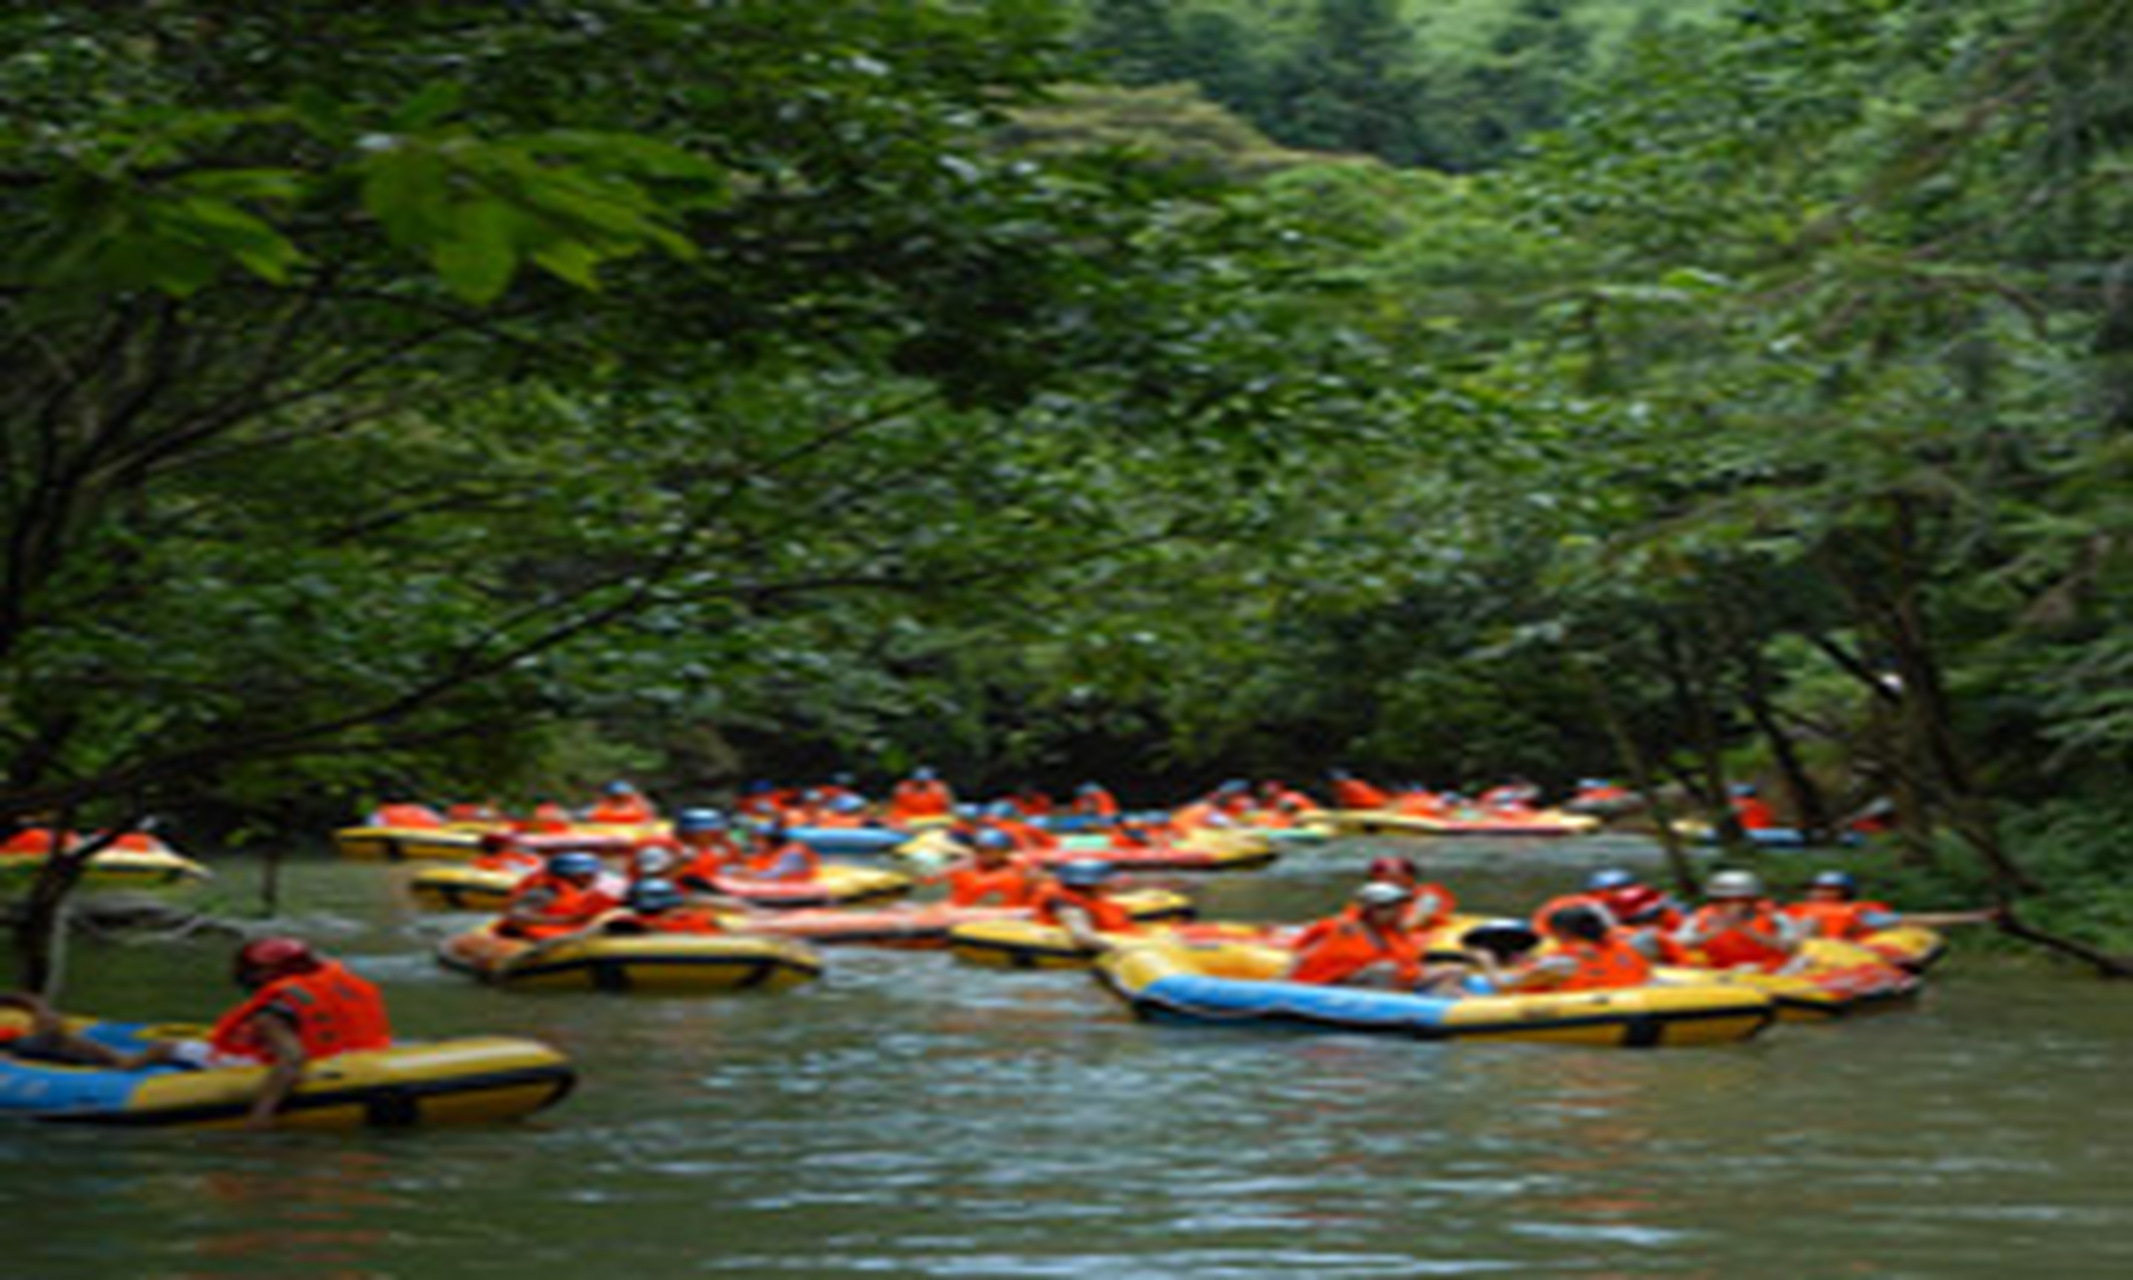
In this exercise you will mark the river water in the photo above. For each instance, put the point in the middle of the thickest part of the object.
(910, 1116)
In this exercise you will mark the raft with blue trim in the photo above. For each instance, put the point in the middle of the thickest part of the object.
(926, 926)
(467, 1081)
(1029, 944)
(1538, 824)
(456, 888)
(655, 963)
(1238, 985)
(851, 842)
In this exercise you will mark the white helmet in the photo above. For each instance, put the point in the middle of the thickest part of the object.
(1733, 884)
(1383, 893)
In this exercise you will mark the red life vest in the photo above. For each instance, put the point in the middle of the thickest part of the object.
(915, 799)
(789, 863)
(332, 1010)
(679, 920)
(406, 815)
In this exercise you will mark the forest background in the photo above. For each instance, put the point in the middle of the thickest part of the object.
(487, 400)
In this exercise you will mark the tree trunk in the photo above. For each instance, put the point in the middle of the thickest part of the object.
(1641, 778)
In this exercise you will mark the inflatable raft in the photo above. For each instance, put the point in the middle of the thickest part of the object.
(1212, 852)
(1027, 944)
(851, 842)
(453, 888)
(463, 843)
(635, 962)
(1841, 979)
(139, 870)
(926, 927)
(448, 1082)
(1541, 823)
(1237, 985)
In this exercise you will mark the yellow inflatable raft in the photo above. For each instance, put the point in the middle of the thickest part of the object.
(1838, 980)
(673, 963)
(1238, 984)
(465, 1081)
(141, 870)
(1539, 823)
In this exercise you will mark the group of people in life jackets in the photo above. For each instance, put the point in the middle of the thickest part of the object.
(300, 1007)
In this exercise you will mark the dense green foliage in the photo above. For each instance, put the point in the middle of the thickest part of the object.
(495, 397)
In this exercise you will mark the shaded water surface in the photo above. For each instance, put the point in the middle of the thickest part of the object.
(908, 1116)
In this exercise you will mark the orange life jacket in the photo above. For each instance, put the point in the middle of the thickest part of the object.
(31, 841)
(1753, 814)
(915, 799)
(1604, 965)
(789, 863)
(1354, 793)
(1105, 916)
(1842, 920)
(1739, 944)
(333, 1011)
(406, 815)
(622, 811)
(973, 885)
(1334, 950)
(679, 920)
(568, 909)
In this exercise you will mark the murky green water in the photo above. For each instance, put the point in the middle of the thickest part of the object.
(912, 1117)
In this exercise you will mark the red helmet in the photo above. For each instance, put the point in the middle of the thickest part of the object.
(266, 959)
(1633, 903)
(1402, 870)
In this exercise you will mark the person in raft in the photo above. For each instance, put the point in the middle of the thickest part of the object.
(658, 906)
(992, 877)
(1589, 955)
(300, 1008)
(1832, 909)
(560, 900)
(621, 804)
(778, 857)
(47, 1038)
(705, 842)
(1076, 898)
(1739, 928)
(1367, 945)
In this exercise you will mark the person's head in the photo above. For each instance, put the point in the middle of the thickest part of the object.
(1394, 869)
(924, 773)
(1001, 809)
(1579, 923)
(1733, 887)
(1833, 886)
(1084, 874)
(700, 823)
(1382, 898)
(650, 897)
(1505, 939)
(1609, 879)
(652, 861)
(993, 845)
(1742, 789)
(618, 789)
(576, 866)
(265, 960)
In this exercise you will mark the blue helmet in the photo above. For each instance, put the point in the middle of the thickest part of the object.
(655, 895)
(1741, 789)
(577, 862)
(924, 773)
(689, 820)
(618, 788)
(1844, 880)
(1083, 873)
(1607, 878)
(994, 838)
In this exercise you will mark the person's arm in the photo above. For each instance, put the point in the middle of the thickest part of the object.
(286, 1052)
